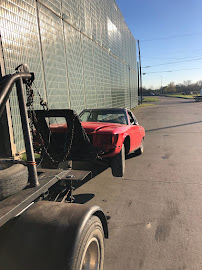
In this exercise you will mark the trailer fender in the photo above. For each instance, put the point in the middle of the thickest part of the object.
(45, 236)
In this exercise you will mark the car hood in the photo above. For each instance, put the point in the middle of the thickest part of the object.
(91, 127)
(98, 126)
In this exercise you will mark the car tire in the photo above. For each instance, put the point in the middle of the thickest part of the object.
(12, 180)
(90, 250)
(141, 149)
(118, 163)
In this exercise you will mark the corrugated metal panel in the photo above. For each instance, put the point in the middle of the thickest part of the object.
(81, 51)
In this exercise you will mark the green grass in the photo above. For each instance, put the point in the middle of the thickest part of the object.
(182, 96)
(150, 99)
(24, 157)
(142, 106)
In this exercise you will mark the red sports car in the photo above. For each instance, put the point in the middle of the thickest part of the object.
(114, 133)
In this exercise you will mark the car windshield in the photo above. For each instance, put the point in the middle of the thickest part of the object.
(109, 116)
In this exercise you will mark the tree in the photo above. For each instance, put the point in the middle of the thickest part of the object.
(170, 89)
(199, 83)
(187, 82)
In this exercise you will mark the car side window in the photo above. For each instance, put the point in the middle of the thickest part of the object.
(132, 119)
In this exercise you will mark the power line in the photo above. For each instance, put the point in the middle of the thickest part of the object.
(170, 63)
(173, 53)
(172, 37)
(165, 71)
(161, 58)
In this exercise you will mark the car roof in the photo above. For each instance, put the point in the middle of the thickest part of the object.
(106, 109)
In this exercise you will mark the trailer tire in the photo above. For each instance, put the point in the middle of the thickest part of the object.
(90, 250)
(118, 163)
(12, 180)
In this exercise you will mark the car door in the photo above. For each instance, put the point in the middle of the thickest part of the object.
(134, 132)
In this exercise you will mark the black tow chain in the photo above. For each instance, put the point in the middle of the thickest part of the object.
(43, 103)
(30, 105)
(33, 118)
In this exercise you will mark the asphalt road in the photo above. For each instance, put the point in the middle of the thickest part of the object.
(155, 211)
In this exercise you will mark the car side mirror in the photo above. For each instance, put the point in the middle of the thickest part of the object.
(132, 121)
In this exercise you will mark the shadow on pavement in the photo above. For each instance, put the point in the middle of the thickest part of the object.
(175, 126)
(95, 167)
(170, 102)
(132, 155)
(83, 198)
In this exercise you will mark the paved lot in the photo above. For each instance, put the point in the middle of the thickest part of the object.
(155, 210)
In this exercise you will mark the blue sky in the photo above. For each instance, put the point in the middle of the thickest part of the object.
(169, 31)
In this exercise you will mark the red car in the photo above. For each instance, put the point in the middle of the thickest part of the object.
(114, 133)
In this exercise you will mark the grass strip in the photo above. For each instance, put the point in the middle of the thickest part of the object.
(150, 99)
(142, 106)
(24, 157)
(182, 96)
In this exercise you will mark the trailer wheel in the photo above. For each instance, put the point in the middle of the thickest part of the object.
(118, 163)
(90, 250)
(12, 180)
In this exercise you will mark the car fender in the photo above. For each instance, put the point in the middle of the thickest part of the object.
(127, 143)
(120, 142)
(125, 135)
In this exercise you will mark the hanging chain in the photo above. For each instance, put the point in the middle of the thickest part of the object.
(30, 105)
(30, 100)
(33, 118)
(43, 103)
(70, 145)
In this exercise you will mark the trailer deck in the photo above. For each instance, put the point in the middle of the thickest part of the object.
(13, 205)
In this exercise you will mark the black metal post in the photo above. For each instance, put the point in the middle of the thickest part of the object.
(138, 80)
(129, 86)
(138, 42)
(33, 178)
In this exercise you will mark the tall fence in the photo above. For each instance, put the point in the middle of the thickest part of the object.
(81, 51)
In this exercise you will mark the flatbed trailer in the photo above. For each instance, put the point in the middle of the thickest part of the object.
(39, 228)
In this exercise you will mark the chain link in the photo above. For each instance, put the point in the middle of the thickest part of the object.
(33, 118)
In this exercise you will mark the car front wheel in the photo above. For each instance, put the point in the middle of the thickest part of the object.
(141, 149)
(118, 163)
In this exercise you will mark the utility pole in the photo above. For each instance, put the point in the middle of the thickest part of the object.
(140, 79)
(161, 85)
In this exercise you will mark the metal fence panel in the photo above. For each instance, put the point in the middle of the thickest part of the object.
(20, 44)
(54, 58)
(81, 51)
(74, 67)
